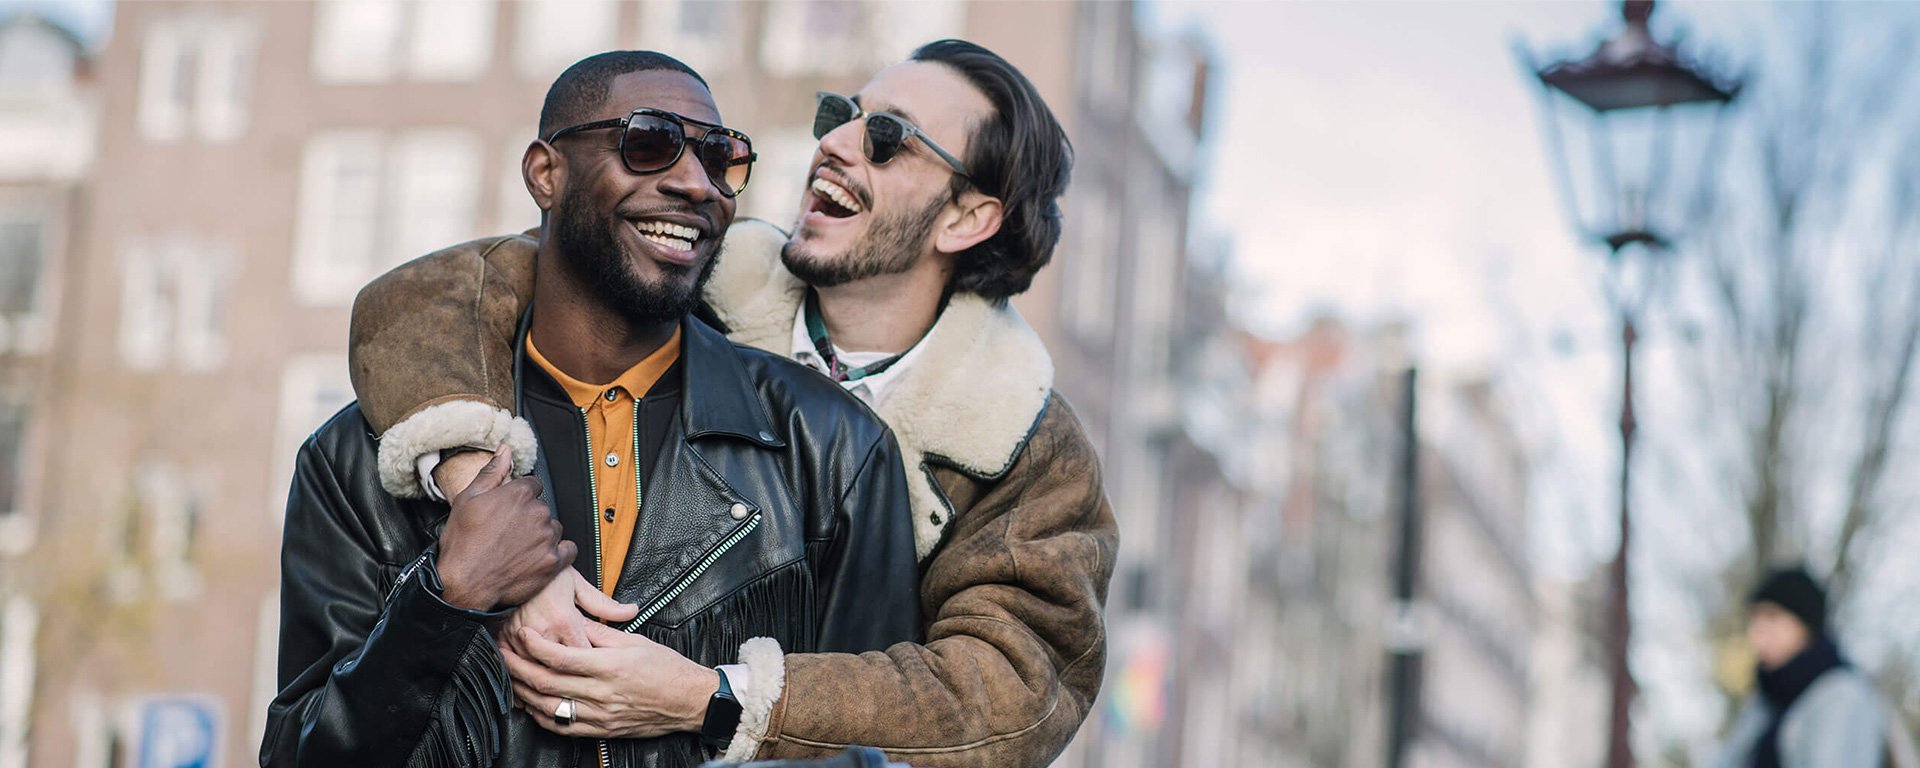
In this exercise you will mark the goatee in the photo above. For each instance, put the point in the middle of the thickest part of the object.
(591, 254)
(892, 245)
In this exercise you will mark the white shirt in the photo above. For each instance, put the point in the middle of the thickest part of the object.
(871, 390)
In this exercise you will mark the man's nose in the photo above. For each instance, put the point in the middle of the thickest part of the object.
(687, 179)
(842, 144)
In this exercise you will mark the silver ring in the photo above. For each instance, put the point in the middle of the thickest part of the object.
(563, 714)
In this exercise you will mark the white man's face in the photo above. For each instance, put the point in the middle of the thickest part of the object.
(860, 219)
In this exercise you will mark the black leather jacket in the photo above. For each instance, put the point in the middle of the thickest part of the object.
(376, 670)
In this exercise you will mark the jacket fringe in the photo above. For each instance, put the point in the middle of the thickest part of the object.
(466, 733)
(780, 604)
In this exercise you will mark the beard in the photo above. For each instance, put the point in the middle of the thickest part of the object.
(892, 245)
(598, 262)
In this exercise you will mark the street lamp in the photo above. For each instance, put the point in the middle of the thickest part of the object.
(1648, 124)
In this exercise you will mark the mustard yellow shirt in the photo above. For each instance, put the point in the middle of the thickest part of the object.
(613, 420)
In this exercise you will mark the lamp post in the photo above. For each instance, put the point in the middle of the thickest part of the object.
(1646, 121)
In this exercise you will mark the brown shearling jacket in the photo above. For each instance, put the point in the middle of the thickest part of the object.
(1014, 532)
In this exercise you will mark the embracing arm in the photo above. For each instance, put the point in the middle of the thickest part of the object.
(374, 669)
(1015, 649)
(431, 356)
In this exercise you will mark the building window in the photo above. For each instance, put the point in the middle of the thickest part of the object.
(1105, 56)
(370, 41)
(436, 174)
(312, 388)
(901, 27)
(1089, 285)
(698, 32)
(266, 658)
(779, 176)
(195, 74)
(815, 37)
(23, 257)
(556, 33)
(16, 526)
(164, 523)
(173, 303)
(515, 211)
(19, 623)
(1158, 262)
(366, 204)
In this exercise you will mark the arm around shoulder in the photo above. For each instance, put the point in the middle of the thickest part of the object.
(431, 355)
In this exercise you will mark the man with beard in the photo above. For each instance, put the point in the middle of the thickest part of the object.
(932, 199)
(705, 493)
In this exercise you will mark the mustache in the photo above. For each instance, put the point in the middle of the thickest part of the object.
(704, 212)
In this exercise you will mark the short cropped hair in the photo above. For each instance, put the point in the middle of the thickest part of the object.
(1019, 154)
(578, 94)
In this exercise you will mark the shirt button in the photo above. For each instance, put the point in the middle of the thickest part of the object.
(613, 459)
(611, 394)
(609, 514)
(739, 511)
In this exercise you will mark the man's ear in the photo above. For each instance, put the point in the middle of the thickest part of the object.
(975, 218)
(545, 173)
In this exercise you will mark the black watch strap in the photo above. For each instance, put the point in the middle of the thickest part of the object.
(723, 716)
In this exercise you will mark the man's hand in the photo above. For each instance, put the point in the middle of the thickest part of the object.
(500, 545)
(454, 473)
(556, 613)
(625, 686)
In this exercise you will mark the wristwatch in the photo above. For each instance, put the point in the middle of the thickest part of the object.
(723, 716)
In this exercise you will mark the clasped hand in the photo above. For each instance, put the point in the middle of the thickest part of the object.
(622, 685)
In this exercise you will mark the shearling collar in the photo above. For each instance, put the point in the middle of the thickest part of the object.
(970, 402)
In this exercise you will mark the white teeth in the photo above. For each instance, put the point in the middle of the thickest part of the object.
(670, 242)
(671, 235)
(667, 229)
(837, 193)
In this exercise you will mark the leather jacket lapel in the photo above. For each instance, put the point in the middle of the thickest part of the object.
(561, 462)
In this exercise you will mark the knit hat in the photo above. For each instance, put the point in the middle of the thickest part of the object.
(1796, 592)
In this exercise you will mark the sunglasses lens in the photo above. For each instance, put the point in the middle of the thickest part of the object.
(834, 112)
(651, 143)
(725, 159)
(883, 138)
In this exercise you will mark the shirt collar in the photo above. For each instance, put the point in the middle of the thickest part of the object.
(870, 389)
(635, 381)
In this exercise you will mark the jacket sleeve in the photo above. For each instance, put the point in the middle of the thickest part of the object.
(1015, 647)
(1846, 728)
(868, 585)
(374, 670)
(430, 351)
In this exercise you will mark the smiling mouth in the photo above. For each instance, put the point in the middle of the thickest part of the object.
(835, 201)
(678, 237)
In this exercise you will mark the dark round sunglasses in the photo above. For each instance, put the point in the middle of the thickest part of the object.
(885, 131)
(651, 141)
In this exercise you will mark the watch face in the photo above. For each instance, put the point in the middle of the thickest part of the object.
(723, 716)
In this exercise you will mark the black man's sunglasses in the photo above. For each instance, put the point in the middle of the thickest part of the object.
(651, 141)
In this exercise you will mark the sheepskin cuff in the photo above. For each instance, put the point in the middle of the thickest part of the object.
(768, 667)
(451, 424)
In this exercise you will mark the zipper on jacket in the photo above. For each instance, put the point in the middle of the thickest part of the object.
(599, 558)
(639, 496)
(678, 588)
(701, 567)
(593, 491)
(404, 574)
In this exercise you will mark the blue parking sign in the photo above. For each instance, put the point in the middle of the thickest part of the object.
(178, 732)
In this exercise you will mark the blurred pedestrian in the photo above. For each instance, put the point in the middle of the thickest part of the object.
(1812, 709)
